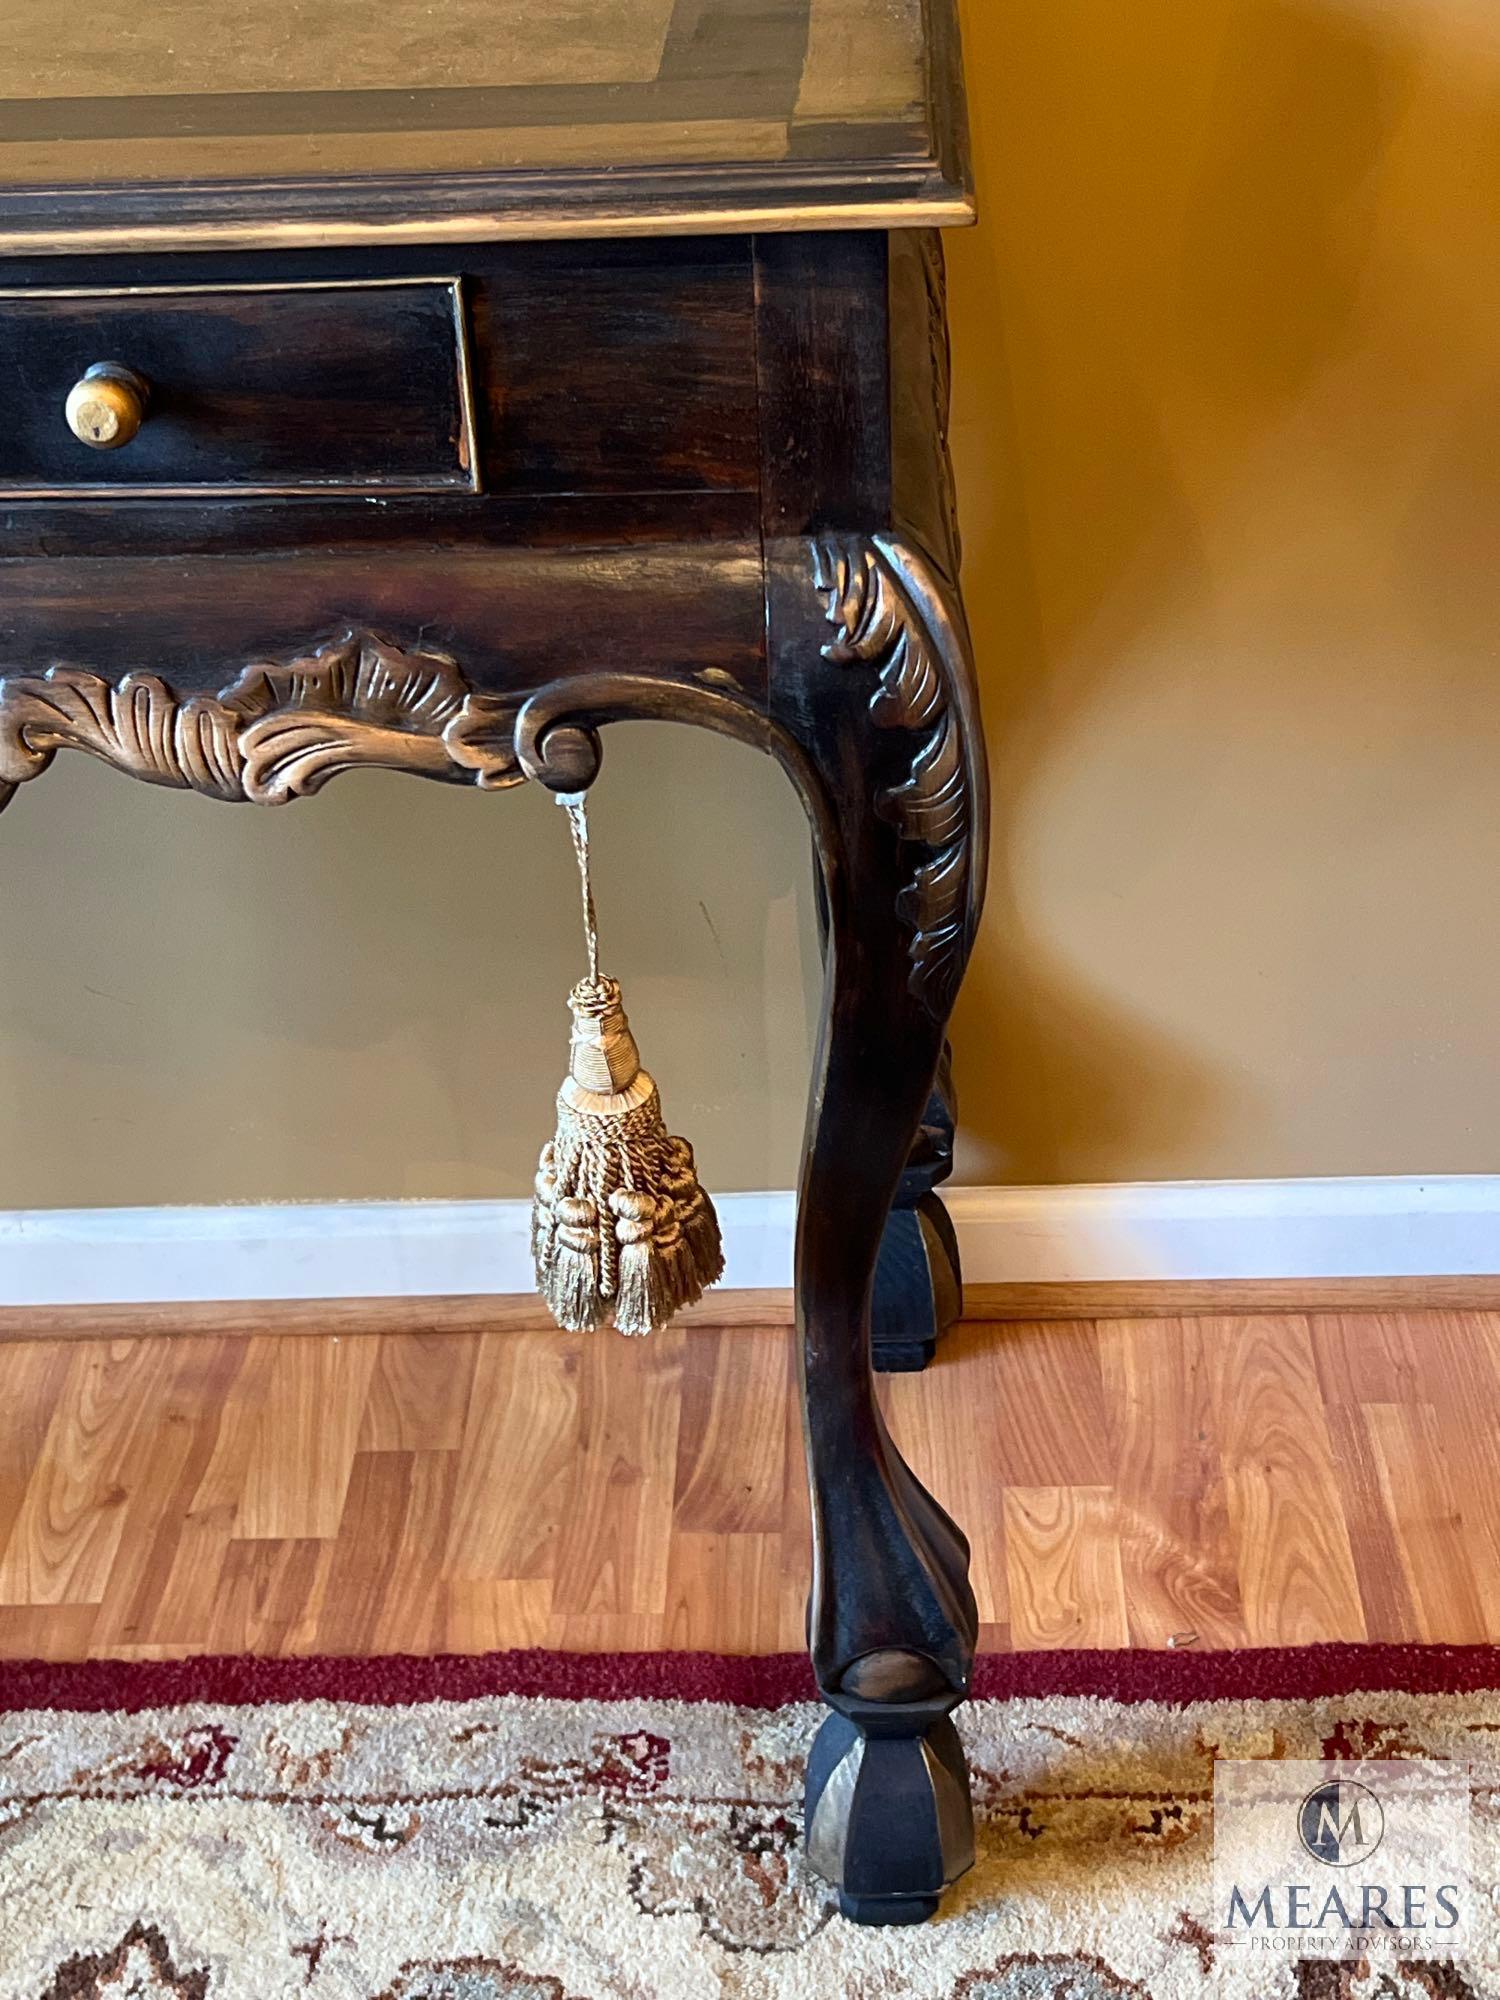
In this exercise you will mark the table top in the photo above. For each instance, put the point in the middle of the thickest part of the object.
(322, 121)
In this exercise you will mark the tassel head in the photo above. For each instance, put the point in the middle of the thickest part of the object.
(603, 1057)
(604, 1065)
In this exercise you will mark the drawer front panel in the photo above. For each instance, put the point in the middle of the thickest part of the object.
(290, 388)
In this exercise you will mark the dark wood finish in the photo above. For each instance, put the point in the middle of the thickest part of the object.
(563, 338)
(199, 125)
(870, 707)
(869, 678)
(919, 1282)
(713, 488)
(515, 619)
(883, 446)
(821, 320)
(571, 333)
(275, 387)
(918, 1279)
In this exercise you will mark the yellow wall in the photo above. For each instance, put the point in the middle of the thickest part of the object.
(363, 994)
(1228, 438)
(1228, 364)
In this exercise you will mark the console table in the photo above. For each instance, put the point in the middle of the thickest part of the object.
(431, 397)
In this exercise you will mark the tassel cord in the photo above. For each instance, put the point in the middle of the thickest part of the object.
(637, 1161)
(578, 826)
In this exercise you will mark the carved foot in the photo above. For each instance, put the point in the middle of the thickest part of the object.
(889, 1821)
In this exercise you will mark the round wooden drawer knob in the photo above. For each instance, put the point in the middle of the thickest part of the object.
(106, 406)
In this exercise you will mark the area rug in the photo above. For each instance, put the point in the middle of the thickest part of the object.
(544, 1827)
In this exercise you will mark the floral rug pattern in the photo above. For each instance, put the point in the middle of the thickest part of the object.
(520, 1848)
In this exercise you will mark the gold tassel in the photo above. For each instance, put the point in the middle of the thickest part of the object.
(621, 1229)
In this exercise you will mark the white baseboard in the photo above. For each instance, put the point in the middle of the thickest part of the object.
(319, 1250)
(1386, 1227)
(1376, 1226)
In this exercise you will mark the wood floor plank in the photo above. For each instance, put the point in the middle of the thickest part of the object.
(498, 1615)
(360, 1572)
(986, 1304)
(613, 1550)
(66, 1534)
(608, 1632)
(518, 1458)
(1044, 1400)
(1462, 1379)
(175, 1447)
(267, 1597)
(114, 1650)
(31, 1380)
(945, 1438)
(1296, 1570)
(419, 1390)
(1427, 1521)
(184, 1609)
(305, 1441)
(468, 1312)
(48, 1632)
(1390, 1615)
(796, 1522)
(613, 1495)
(1366, 1357)
(412, 1616)
(731, 1436)
(1067, 1587)
(1175, 1545)
(722, 1594)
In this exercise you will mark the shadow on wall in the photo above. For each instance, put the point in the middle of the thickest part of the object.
(1225, 435)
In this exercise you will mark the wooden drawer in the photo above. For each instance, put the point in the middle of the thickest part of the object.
(360, 387)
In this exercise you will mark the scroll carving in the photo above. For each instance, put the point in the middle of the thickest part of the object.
(877, 623)
(279, 732)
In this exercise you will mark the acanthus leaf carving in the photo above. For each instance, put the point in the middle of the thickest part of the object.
(279, 731)
(933, 804)
(876, 624)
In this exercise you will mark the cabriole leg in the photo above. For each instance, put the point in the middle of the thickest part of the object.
(893, 1621)
(889, 729)
(872, 711)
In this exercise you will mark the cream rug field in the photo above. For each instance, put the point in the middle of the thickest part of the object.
(529, 1827)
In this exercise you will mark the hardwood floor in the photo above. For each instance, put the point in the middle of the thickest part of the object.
(1267, 1480)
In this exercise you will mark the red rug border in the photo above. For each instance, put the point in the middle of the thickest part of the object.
(392, 1680)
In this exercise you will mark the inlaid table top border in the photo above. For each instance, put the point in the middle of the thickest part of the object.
(849, 114)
